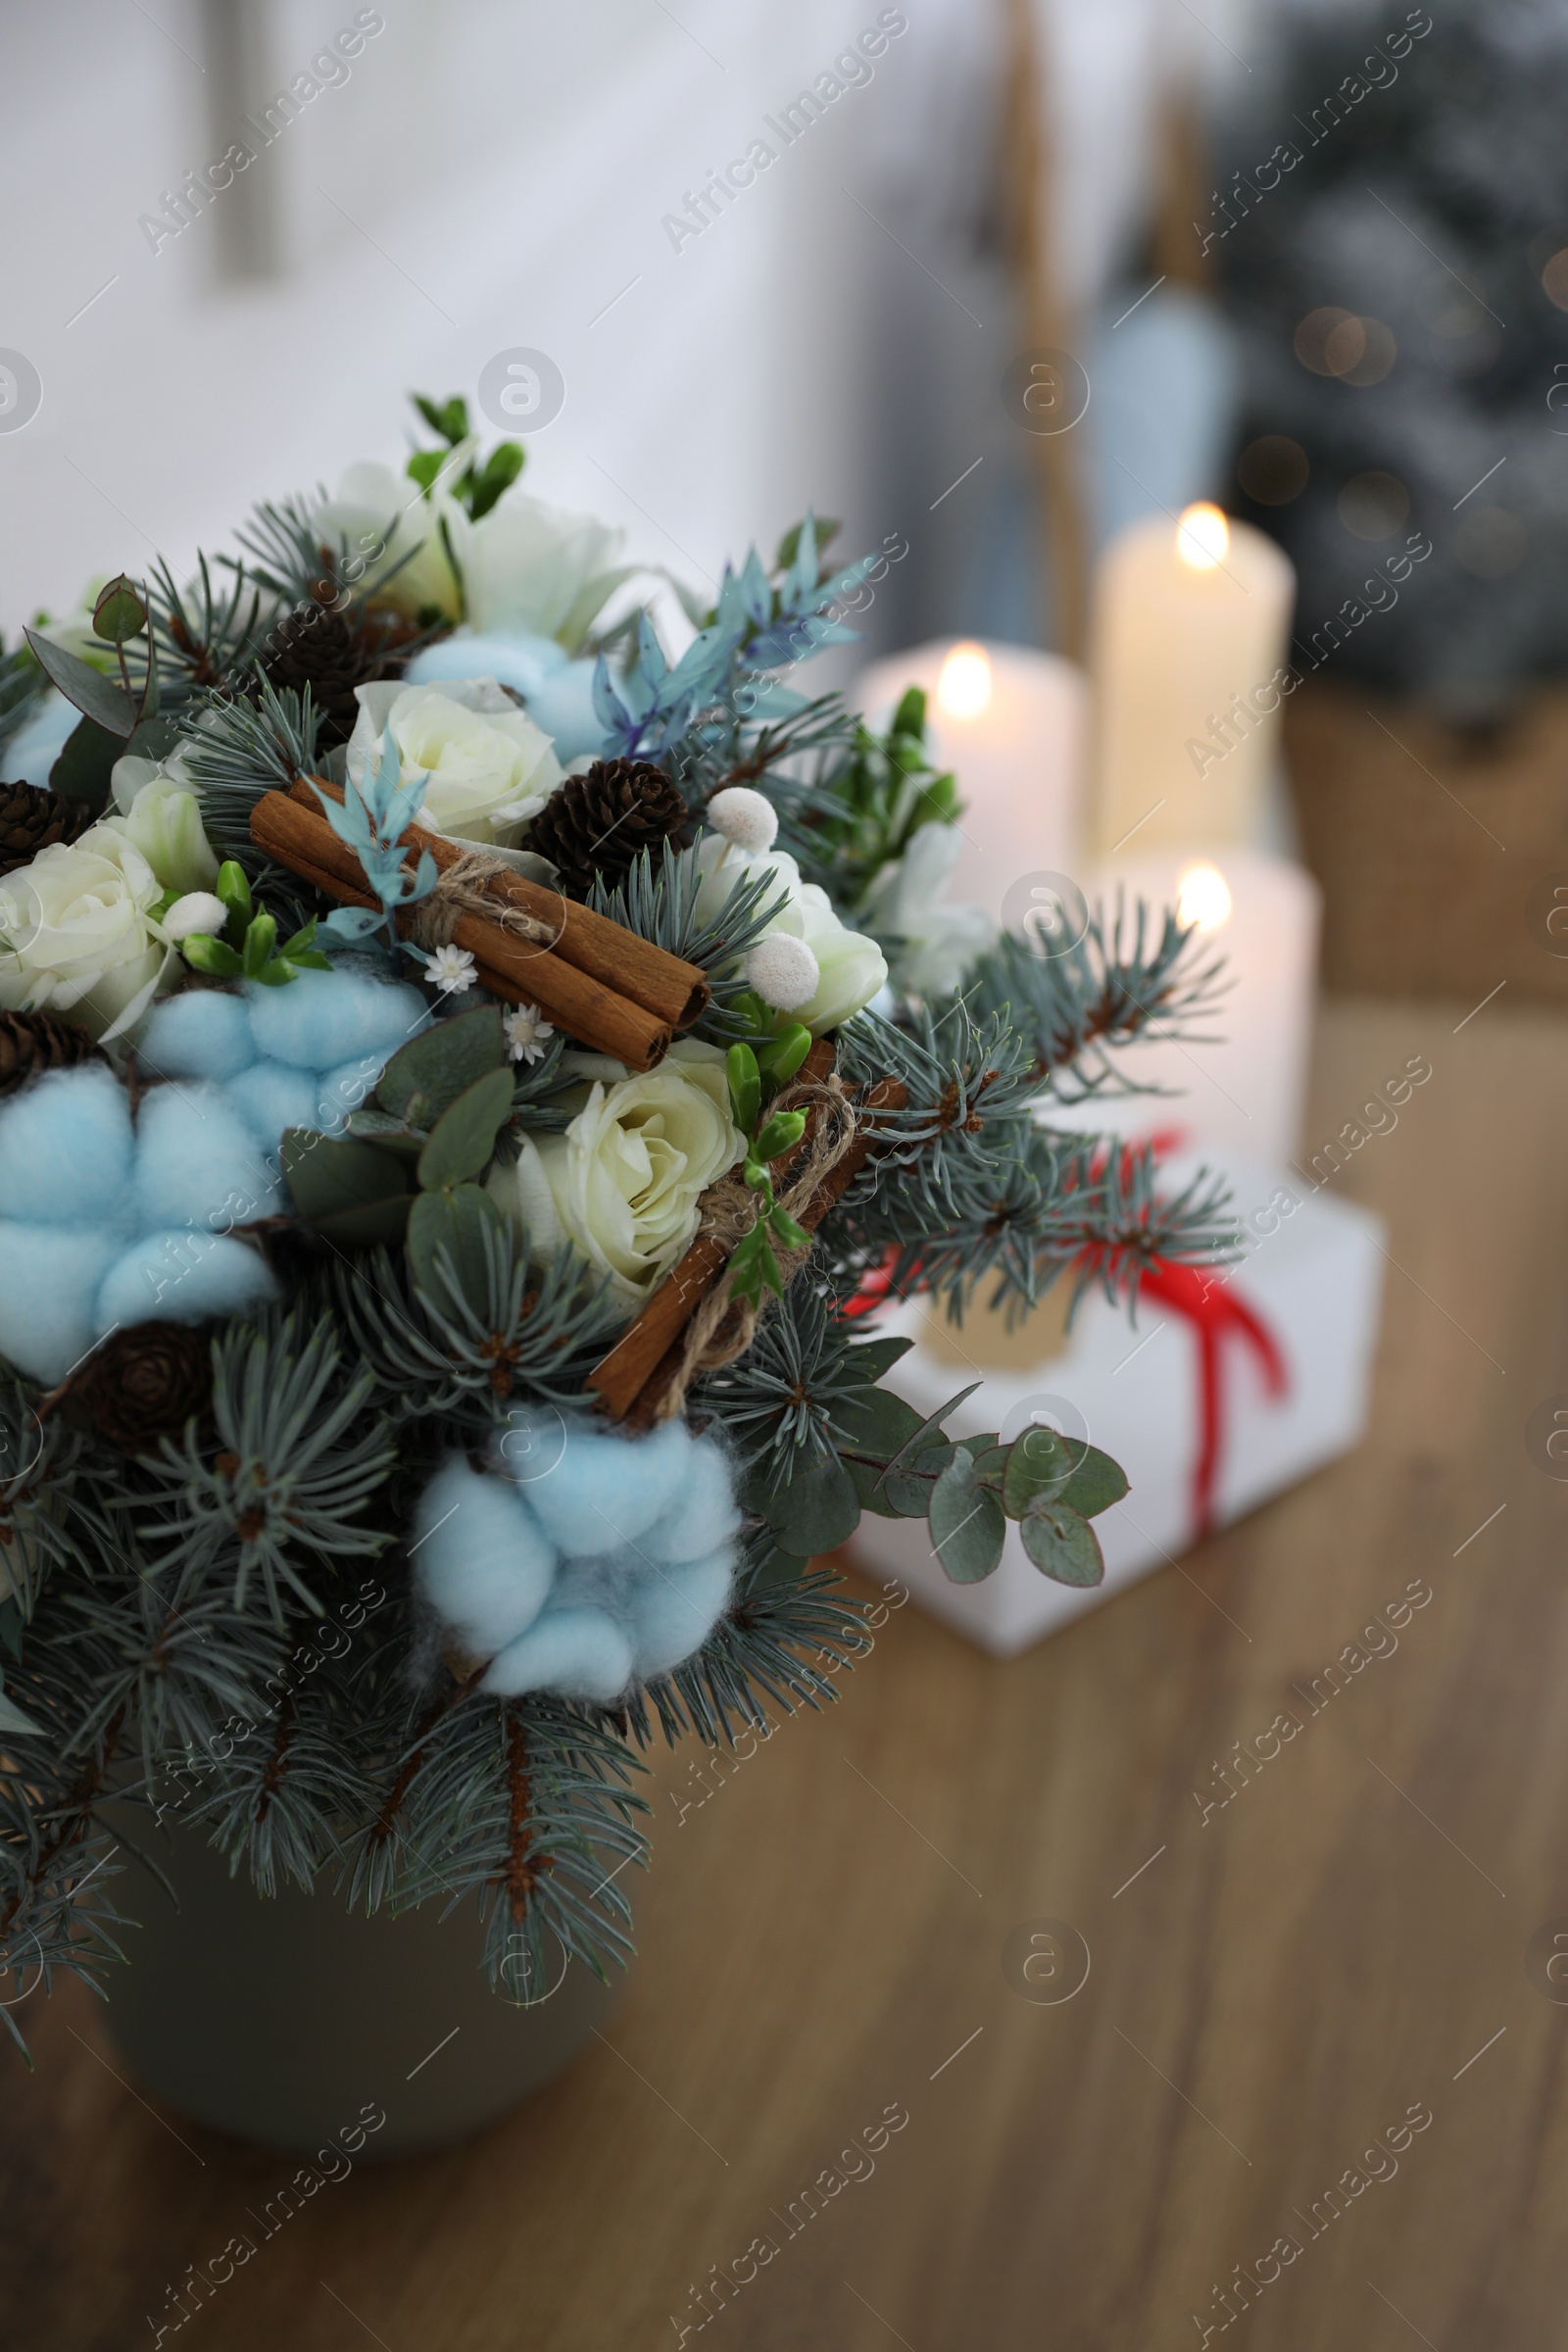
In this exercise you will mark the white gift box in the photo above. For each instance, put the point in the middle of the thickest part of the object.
(1311, 1274)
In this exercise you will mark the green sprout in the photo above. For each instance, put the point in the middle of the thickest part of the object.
(248, 948)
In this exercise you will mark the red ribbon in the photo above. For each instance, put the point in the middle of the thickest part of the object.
(1216, 1315)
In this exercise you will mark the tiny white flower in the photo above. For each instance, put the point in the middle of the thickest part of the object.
(453, 971)
(527, 1034)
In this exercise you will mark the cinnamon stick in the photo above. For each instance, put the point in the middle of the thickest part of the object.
(640, 1350)
(651, 976)
(511, 968)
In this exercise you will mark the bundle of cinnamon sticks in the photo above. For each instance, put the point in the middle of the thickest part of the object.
(632, 1379)
(602, 985)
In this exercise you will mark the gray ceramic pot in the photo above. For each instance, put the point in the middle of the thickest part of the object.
(291, 2020)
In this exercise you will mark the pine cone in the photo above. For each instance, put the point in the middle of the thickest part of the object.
(34, 818)
(329, 651)
(145, 1384)
(597, 823)
(31, 1043)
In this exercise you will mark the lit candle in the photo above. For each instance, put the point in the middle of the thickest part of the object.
(1189, 633)
(1243, 1090)
(1012, 724)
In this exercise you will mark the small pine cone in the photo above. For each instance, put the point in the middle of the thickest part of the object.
(31, 1043)
(597, 823)
(34, 818)
(331, 653)
(145, 1384)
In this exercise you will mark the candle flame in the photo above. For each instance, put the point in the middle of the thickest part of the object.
(963, 689)
(1202, 537)
(1203, 897)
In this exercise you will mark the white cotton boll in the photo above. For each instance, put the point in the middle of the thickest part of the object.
(674, 1612)
(578, 1653)
(49, 1277)
(203, 1033)
(66, 1147)
(783, 971)
(197, 910)
(743, 816)
(479, 1558)
(198, 1162)
(272, 1096)
(606, 1490)
(704, 1514)
(179, 1276)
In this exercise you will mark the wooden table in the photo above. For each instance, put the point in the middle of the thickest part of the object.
(1271, 1989)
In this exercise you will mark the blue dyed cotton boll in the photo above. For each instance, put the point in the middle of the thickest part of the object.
(605, 1489)
(198, 1162)
(479, 1558)
(66, 1149)
(322, 1020)
(203, 1033)
(703, 1515)
(347, 1088)
(271, 1096)
(672, 1612)
(582, 1653)
(563, 706)
(522, 663)
(179, 1276)
(49, 1278)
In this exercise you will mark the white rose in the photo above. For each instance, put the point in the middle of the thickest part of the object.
(376, 520)
(933, 946)
(79, 930)
(622, 1183)
(852, 968)
(160, 813)
(489, 768)
(532, 568)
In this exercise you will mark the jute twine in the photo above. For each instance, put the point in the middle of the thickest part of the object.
(723, 1328)
(464, 890)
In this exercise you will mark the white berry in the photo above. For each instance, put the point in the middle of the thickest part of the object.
(744, 818)
(783, 971)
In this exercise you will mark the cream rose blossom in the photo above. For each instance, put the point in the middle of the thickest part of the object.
(851, 968)
(78, 931)
(489, 768)
(622, 1183)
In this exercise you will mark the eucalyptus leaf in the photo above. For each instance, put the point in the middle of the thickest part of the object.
(1062, 1546)
(94, 695)
(85, 763)
(375, 1221)
(1039, 1466)
(817, 1511)
(877, 1498)
(875, 1358)
(153, 738)
(441, 1063)
(934, 1422)
(327, 1175)
(909, 1497)
(463, 1138)
(967, 1525)
(1097, 1482)
(12, 1719)
(877, 1422)
(448, 1228)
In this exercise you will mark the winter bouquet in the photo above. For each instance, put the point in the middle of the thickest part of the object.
(462, 1071)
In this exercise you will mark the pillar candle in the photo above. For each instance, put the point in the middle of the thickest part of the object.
(1190, 629)
(1244, 1090)
(1012, 724)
